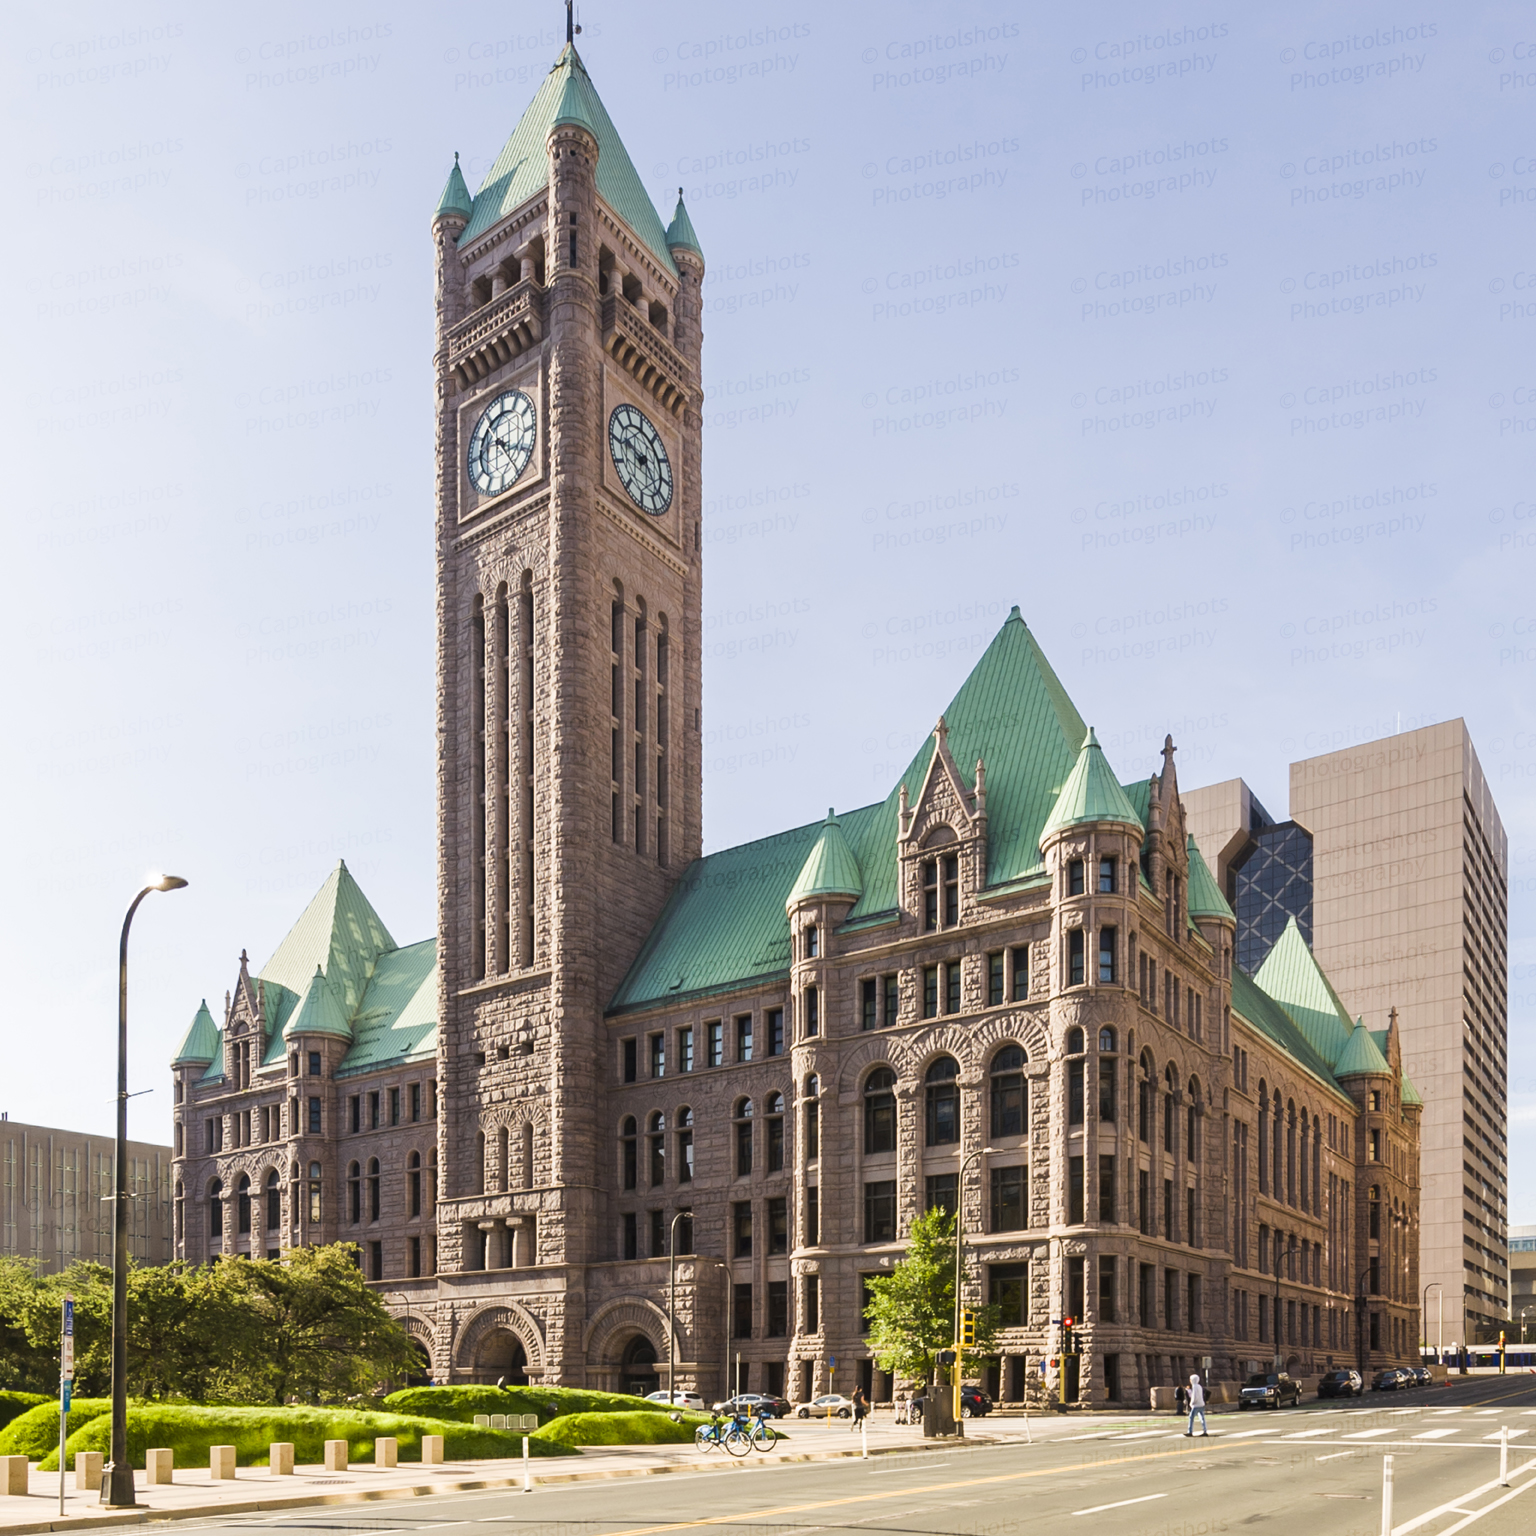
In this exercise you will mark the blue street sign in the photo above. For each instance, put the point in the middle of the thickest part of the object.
(66, 1396)
(832, 1362)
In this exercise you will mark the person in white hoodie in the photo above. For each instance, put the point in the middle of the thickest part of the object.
(1196, 1405)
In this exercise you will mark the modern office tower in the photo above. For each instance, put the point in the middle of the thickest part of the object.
(1407, 903)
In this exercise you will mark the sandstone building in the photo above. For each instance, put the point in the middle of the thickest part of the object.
(1008, 986)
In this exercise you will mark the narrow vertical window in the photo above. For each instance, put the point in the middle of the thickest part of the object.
(812, 1012)
(477, 785)
(1108, 946)
(1107, 874)
(501, 780)
(617, 708)
(891, 997)
(951, 890)
(662, 702)
(714, 1043)
(930, 895)
(685, 1049)
(773, 1029)
(1075, 975)
(869, 1003)
(744, 1037)
(952, 987)
(638, 729)
(1020, 963)
(1075, 877)
(995, 978)
(526, 828)
(930, 991)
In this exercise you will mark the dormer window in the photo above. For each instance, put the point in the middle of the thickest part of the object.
(1075, 877)
(941, 881)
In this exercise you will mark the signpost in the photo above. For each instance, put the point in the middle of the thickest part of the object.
(66, 1382)
(831, 1375)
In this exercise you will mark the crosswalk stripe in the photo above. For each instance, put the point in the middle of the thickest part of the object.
(1435, 1434)
(1370, 1434)
(1307, 1434)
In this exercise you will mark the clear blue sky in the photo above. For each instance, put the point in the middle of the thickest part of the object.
(1202, 333)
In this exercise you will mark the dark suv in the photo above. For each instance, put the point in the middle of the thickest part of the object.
(1275, 1390)
(974, 1403)
(1341, 1384)
(1392, 1380)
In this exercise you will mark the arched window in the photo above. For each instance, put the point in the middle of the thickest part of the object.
(1008, 1093)
(1263, 1137)
(354, 1193)
(373, 1189)
(1304, 1131)
(1192, 1122)
(294, 1190)
(413, 1184)
(1109, 1068)
(1290, 1152)
(658, 1140)
(432, 1180)
(685, 1146)
(743, 1117)
(1170, 1114)
(527, 1154)
(1076, 1077)
(503, 1159)
(243, 1205)
(1146, 1109)
(274, 1202)
(484, 1183)
(774, 1106)
(216, 1208)
(1074, 1041)
(181, 1213)
(879, 1111)
(1106, 1040)
(812, 1118)
(314, 1192)
(942, 1121)
(629, 1152)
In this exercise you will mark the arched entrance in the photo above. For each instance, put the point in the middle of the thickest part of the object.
(419, 1372)
(637, 1366)
(501, 1355)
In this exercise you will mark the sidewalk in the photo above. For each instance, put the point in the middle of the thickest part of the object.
(194, 1494)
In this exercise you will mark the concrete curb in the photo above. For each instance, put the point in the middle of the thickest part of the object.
(463, 1485)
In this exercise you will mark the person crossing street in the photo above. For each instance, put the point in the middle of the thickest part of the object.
(1196, 1405)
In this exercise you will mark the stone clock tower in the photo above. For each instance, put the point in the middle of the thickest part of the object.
(568, 640)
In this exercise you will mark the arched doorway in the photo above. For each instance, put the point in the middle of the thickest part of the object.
(501, 1356)
(418, 1373)
(637, 1366)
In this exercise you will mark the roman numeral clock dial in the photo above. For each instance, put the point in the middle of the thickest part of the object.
(502, 443)
(641, 460)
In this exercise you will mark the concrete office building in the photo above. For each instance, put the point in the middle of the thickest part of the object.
(54, 1186)
(1522, 1282)
(1405, 906)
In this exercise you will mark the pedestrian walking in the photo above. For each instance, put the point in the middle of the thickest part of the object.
(860, 1407)
(1196, 1405)
(1180, 1400)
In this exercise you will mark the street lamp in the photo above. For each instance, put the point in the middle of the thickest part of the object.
(1523, 1311)
(1434, 1285)
(1362, 1301)
(959, 1248)
(1281, 1253)
(117, 1484)
(672, 1304)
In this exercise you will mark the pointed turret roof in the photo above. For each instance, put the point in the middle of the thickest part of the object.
(200, 1044)
(455, 198)
(1205, 898)
(319, 1012)
(830, 869)
(1411, 1097)
(1360, 1055)
(521, 170)
(1291, 975)
(680, 235)
(1091, 793)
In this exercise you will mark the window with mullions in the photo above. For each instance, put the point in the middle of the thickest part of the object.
(880, 1211)
(743, 1137)
(714, 1043)
(629, 1152)
(880, 1112)
(1108, 945)
(774, 1029)
(951, 871)
(890, 999)
(930, 991)
(812, 1119)
(941, 1191)
(1020, 958)
(685, 1146)
(1010, 1198)
(869, 1003)
(778, 1225)
(996, 978)
(952, 987)
(812, 1012)
(1075, 949)
(930, 895)
(1008, 1093)
(1107, 877)
(744, 1037)
(1108, 1077)
(943, 1103)
(1075, 877)
(774, 1124)
(658, 1139)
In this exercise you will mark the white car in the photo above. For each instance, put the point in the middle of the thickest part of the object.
(681, 1398)
(830, 1405)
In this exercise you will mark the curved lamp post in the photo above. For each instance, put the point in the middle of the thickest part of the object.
(965, 1163)
(117, 1478)
(672, 1306)
(1434, 1285)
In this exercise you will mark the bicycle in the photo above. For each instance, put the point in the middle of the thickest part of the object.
(731, 1435)
(762, 1436)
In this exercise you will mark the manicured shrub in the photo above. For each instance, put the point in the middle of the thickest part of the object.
(190, 1431)
(14, 1404)
(463, 1403)
(573, 1429)
(36, 1431)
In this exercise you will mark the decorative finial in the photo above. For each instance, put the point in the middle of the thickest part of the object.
(455, 157)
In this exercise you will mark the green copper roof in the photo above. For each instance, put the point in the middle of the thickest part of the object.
(830, 869)
(1270, 1019)
(398, 1019)
(1411, 1095)
(521, 170)
(1091, 793)
(725, 924)
(1360, 1054)
(1291, 975)
(455, 198)
(680, 235)
(201, 1041)
(319, 1012)
(1205, 898)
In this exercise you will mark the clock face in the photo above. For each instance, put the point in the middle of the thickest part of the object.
(502, 443)
(641, 460)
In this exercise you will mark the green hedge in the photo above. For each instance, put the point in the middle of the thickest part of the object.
(463, 1403)
(36, 1432)
(573, 1429)
(14, 1404)
(190, 1432)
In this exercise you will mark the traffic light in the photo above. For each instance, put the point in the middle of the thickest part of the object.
(967, 1329)
(1068, 1338)
(946, 1357)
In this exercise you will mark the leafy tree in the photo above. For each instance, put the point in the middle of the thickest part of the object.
(911, 1311)
(24, 1365)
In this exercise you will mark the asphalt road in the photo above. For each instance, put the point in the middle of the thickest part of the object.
(1316, 1470)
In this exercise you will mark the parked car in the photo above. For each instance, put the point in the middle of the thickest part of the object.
(1341, 1384)
(681, 1398)
(1421, 1374)
(1391, 1380)
(974, 1403)
(828, 1405)
(1274, 1390)
(764, 1403)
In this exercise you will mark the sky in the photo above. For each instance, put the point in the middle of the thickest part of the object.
(1202, 333)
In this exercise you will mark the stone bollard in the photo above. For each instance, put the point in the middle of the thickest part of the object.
(15, 1470)
(280, 1458)
(386, 1451)
(335, 1455)
(432, 1450)
(221, 1462)
(158, 1465)
(88, 1471)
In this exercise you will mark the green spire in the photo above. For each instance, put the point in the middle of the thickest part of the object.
(200, 1044)
(680, 235)
(455, 200)
(1410, 1095)
(830, 870)
(1205, 898)
(1361, 1055)
(319, 1013)
(1091, 793)
(1291, 975)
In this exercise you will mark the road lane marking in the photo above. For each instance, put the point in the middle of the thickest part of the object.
(1097, 1509)
(1462, 1498)
(1435, 1434)
(1487, 1509)
(1336, 1455)
(1307, 1434)
(1369, 1434)
(1145, 1434)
